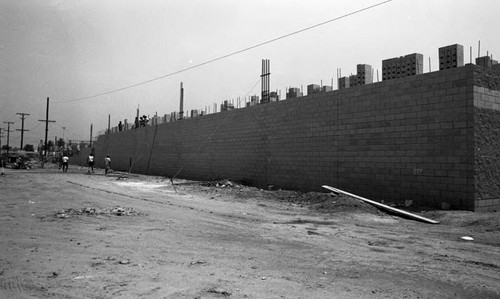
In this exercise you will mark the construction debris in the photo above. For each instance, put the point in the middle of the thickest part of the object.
(116, 211)
(220, 184)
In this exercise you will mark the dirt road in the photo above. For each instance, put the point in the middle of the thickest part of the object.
(73, 235)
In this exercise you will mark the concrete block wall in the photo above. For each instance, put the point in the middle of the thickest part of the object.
(487, 147)
(405, 139)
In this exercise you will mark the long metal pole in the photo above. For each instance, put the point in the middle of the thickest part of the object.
(380, 205)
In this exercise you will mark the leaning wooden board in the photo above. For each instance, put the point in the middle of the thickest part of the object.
(382, 206)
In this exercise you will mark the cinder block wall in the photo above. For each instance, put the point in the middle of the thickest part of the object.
(404, 139)
(487, 145)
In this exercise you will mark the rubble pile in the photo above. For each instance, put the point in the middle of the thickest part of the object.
(221, 184)
(114, 211)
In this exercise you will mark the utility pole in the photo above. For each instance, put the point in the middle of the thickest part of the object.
(46, 120)
(1, 161)
(1, 140)
(64, 142)
(91, 136)
(23, 116)
(8, 133)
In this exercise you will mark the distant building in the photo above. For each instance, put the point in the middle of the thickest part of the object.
(274, 96)
(485, 61)
(364, 74)
(362, 77)
(195, 113)
(399, 67)
(226, 106)
(451, 57)
(293, 92)
(313, 88)
(353, 80)
(254, 100)
(343, 82)
(326, 88)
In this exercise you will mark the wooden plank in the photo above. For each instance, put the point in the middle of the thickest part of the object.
(382, 206)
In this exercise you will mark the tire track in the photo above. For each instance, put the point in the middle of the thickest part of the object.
(19, 289)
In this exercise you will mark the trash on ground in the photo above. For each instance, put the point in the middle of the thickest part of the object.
(197, 263)
(221, 184)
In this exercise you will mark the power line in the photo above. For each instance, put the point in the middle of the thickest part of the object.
(227, 55)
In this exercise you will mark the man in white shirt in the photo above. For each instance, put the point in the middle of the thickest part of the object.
(90, 161)
(65, 161)
(107, 163)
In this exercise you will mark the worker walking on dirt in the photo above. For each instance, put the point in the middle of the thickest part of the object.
(90, 161)
(65, 161)
(107, 164)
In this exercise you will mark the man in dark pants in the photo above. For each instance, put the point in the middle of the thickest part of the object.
(90, 161)
(107, 164)
(65, 161)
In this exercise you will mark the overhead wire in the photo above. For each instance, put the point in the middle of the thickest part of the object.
(214, 60)
(226, 55)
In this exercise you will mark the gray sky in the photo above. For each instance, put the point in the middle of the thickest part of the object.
(72, 49)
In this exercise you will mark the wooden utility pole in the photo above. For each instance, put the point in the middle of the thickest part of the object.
(23, 116)
(1, 161)
(91, 136)
(46, 120)
(8, 133)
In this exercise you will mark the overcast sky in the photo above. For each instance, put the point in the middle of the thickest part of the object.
(73, 49)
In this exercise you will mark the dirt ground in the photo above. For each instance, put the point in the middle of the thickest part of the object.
(72, 235)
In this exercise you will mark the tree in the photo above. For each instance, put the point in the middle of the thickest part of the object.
(29, 148)
(5, 147)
